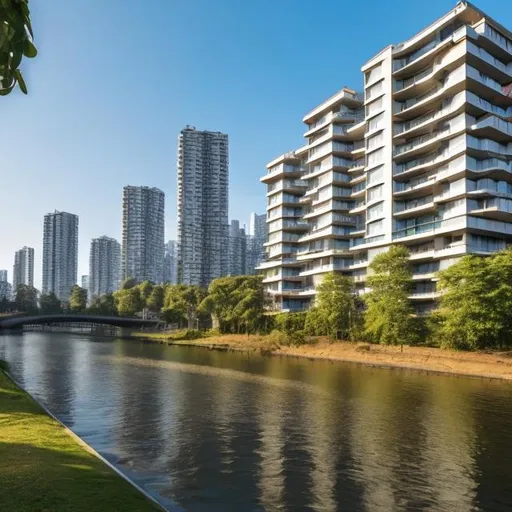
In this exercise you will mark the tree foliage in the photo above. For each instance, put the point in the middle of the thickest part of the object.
(181, 305)
(78, 299)
(129, 301)
(476, 303)
(49, 304)
(26, 299)
(236, 303)
(334, 313)
(389, 314)
(103, 306)
(16, 42)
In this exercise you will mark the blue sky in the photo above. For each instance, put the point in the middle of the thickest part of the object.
(116, 80)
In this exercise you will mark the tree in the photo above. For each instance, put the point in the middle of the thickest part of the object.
(26, 299)
(16, 38)
(236, 303)
(129, 301)
(155, 301)
(128, 283)
(103, 306)
(78, 299)
(50, 304)
(475, 306)
(389, 314)
(181, 304)
(334, 313)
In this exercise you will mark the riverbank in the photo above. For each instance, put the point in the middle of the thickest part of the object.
(43, 468)
(496, 365)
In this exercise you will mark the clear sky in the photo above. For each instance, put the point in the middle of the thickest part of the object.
(116, 80)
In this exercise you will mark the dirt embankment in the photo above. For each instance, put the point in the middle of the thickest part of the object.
(489, 365)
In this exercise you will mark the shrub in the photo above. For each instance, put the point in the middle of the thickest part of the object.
(281, 338)
(290, 322)
(191, 334)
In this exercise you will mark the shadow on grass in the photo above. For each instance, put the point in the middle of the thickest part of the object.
(64, 478)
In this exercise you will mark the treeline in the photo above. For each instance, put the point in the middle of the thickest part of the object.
(474, 313)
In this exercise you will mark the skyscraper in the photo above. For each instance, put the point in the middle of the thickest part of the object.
(237, 249)
(104, 266)
(256, 242)
(3, 276)
(23, 270)
(142, 256)
(60, 253)
(5, 286)
(171, 262)
(421, 159)
(85, 282)
(202, 206)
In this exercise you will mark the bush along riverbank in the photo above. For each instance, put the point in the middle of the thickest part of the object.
(43, 468)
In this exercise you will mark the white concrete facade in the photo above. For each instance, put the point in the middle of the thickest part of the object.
(23, 269)
(104, 267)
(426, 166)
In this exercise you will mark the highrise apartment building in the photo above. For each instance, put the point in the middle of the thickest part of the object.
(104, 267)
(23, 270)
(171, 262)
(3, 276)
(202, 206)
(256, 239)
(60, 253)
(5, 286)
(142, 256)
(421, 158)
(236, 249)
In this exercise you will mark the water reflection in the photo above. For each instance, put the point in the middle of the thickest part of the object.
(216, 431)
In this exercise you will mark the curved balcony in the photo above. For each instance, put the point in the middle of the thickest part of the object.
(415, 207)
(493, 127)
(417, 187)
(496, 208)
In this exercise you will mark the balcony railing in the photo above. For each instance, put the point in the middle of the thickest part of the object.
(402, 84)
(415, 203)
(418, 141)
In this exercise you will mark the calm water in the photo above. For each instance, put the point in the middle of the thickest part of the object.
(213, 431)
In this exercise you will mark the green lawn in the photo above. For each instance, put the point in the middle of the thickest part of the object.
(42, 468)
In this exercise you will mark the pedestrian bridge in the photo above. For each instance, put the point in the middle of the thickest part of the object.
(18, 322)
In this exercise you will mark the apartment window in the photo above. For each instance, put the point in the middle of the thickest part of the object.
(375, 211)
(377, 123)
(375, 141)
(375, 228)
(375, 158)
(374, 90)
(374, 107)
(373, 74)
(375, 175)
(374, 193)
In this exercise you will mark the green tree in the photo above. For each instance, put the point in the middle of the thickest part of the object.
(103, 306)
(15, 43)
(50, 304)
(129, 301)
(78, 299)
(155, 301)
(334, 313)
(389, 315)
(236, 303)
(181, 304)
(26, 299)
(475, 306)
(128, 283)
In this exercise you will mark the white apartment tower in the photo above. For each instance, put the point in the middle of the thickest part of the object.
(202, 206)
(426, 164)
(60, 253)
(23, 269)
(142, 256)
(104, 267)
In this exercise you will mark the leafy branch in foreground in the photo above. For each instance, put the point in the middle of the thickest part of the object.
(16, 42)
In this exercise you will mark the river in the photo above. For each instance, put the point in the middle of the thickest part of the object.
(215, 431)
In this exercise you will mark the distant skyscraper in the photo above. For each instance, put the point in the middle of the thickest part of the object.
(104, 266)
(237, 249)
(171, 262)
(5, 287)
(142, 256)
(60, 253)
(255, 242)
(23, 270)
(3, 276)
(202, 206)
(85, 282)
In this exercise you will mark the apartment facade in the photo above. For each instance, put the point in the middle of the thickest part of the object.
(237, 249)
(255, 243)
(202, 206)
(171, 262)
(23, 269)
(420, 158)
(60, 254)
(104, 267)
(142, 256)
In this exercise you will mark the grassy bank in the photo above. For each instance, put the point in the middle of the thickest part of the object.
(43, 468)
(478, 364)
